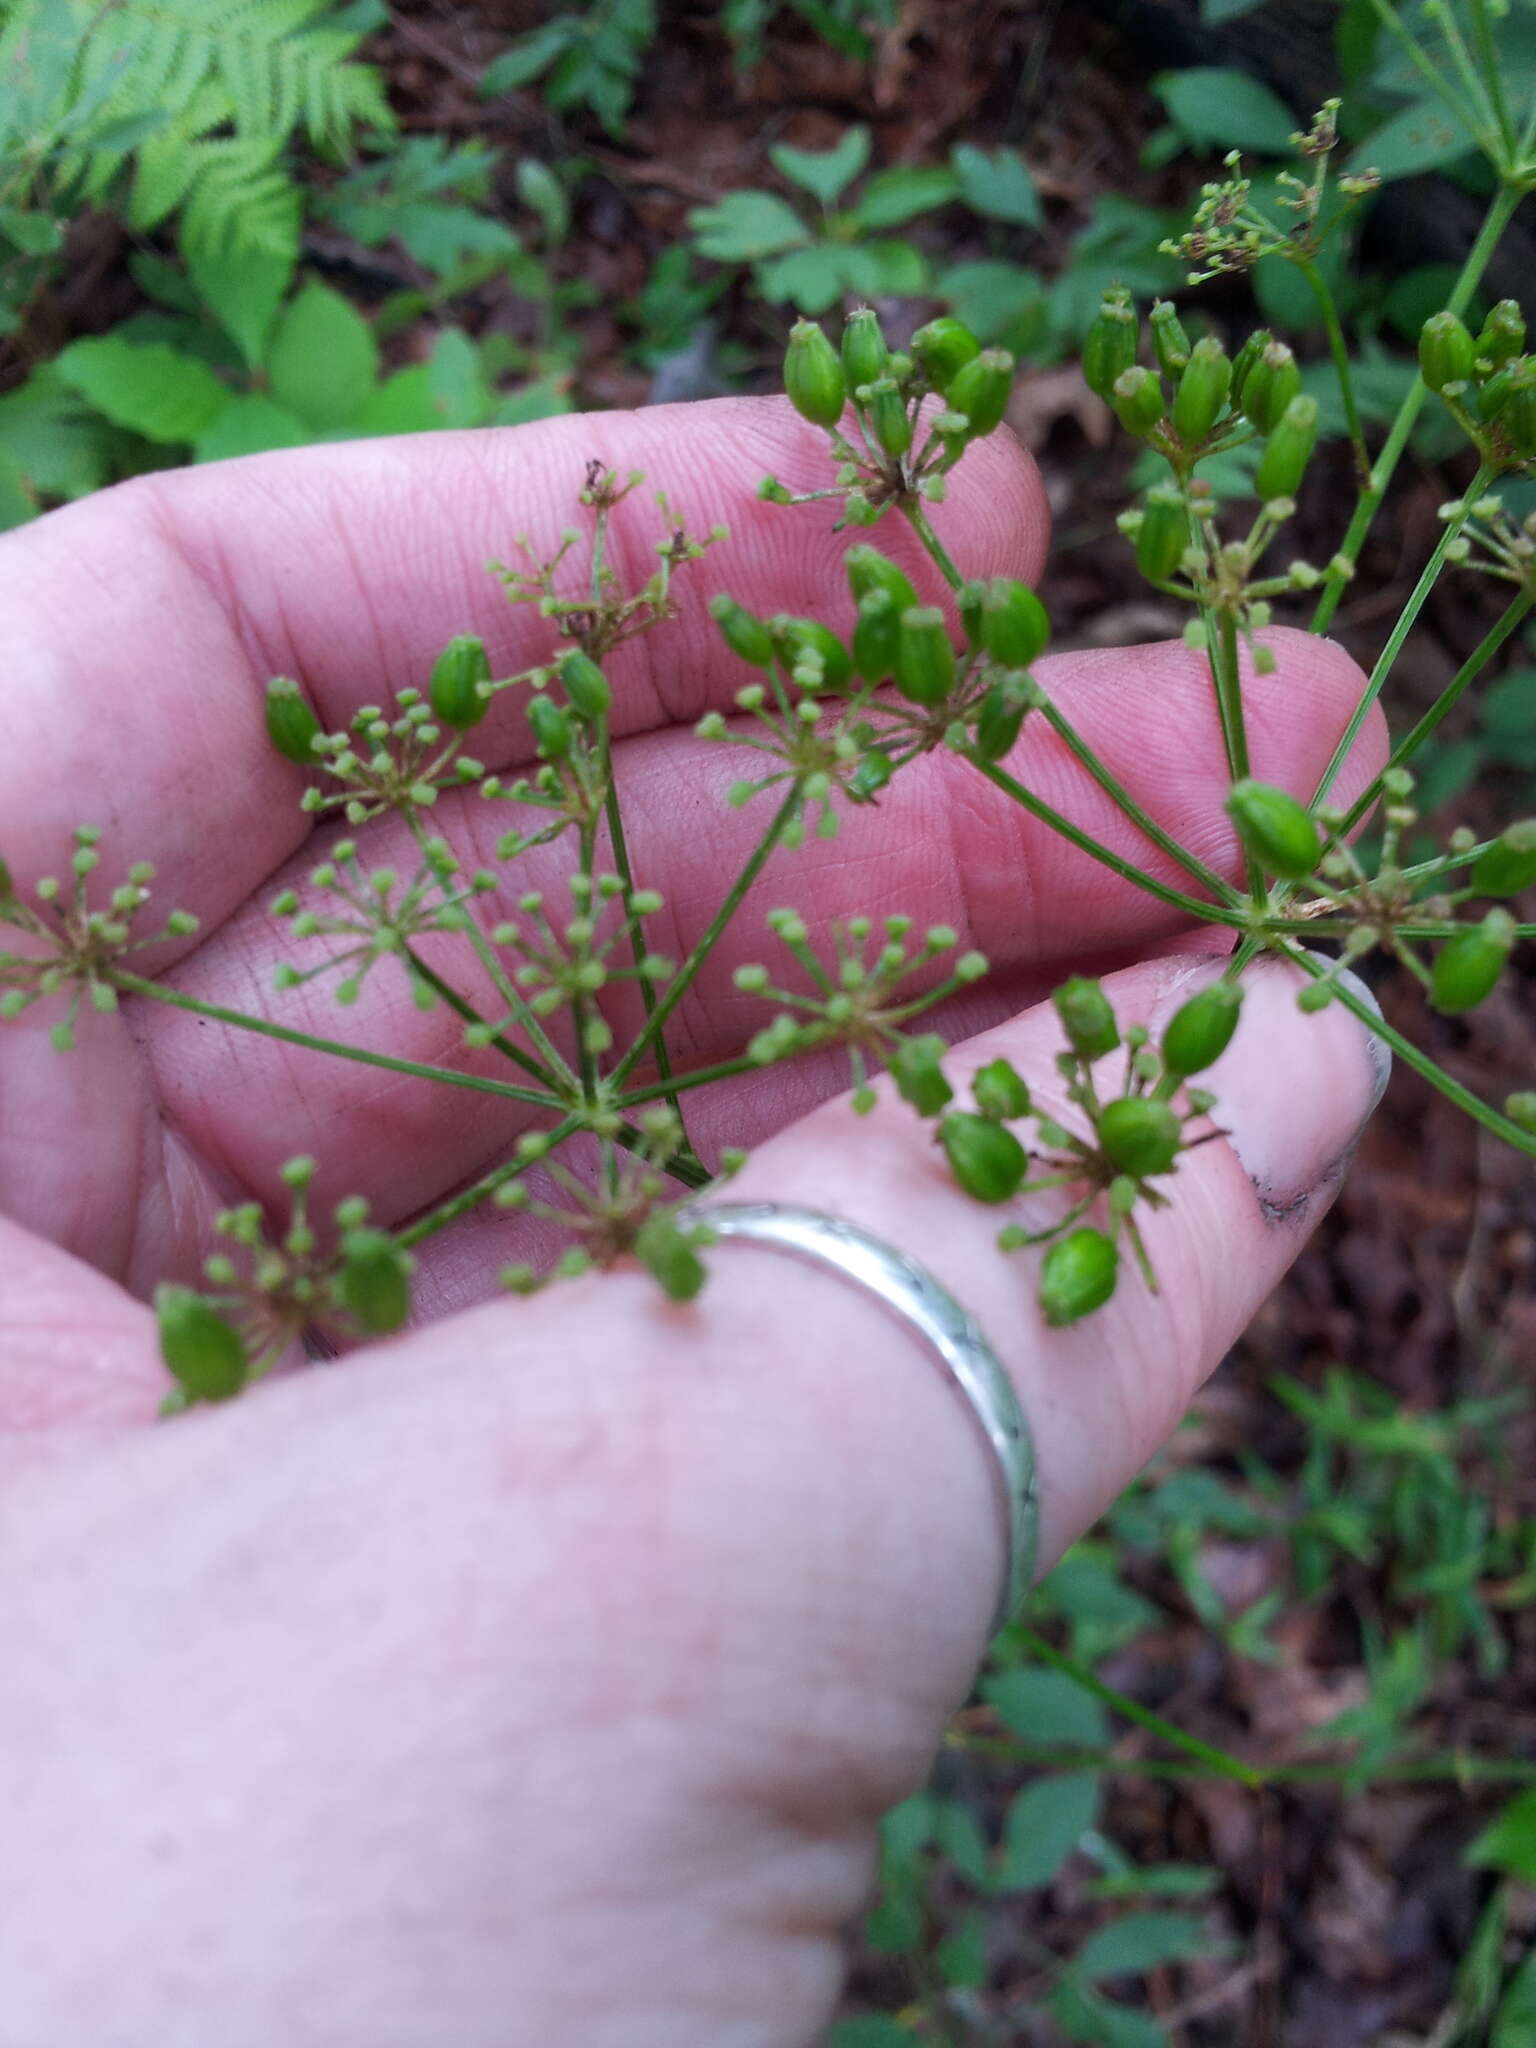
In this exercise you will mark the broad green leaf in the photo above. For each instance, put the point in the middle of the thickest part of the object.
(997, 183)
(148, 388)
(1083, 2015)
(1140, 1942)
(542, 193)
(456, 381)
(402, 404)
(1510, 1842)
(1423, 290)
(18, 504)
(527, 57)
(1419, 138)
(898, 195)
(957, 1836)
(825, 173)
(962, 1954)
(1045, 1823)
(1514, 2024)
(33, 233)
(998, 301)
(1218, 108)
(746, 225)
(62, 445)
(885, 269)
(242, 289)
(810, 280)
(249, 426)
(323, 360)
(1046, 1707)
(541, 399)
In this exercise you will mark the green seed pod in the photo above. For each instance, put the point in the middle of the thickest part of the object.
(741, 631)
(1519, 415)
(969, 599)
(204, 1353)
(1288, 451)
(917, 1070)
(1244, 360)
(1078, 1275)
(1141, 1136)
(1169, 341)
(669, 1255)
(1109, 347)
(980, 390)
(1015, 625)
(869, 570)
(876, 636)
(1163, 534)
(1199, 1032)
(813, 376)
(987, 1160)
(1001, 717)
(1001, 1093)
(550, 725)
(943, 348)
(291, 725)
(1272, 382)
(586, 687)
(1139, 402)
(865, 355)
(1468, 965)
(793, 638)
(1203, 386)
(1503, 335)
(375, 1281)
(457, 675)
(1446, 351)
(1278, 831)
(1086, 1017)
(1521, 1109)
(889, 420)
(1509, 865)
(925, 658)
(874, 771)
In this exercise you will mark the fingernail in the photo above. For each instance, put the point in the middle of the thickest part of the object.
(1294, 1091)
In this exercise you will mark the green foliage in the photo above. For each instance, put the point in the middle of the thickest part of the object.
(583, 61)
(428, 195)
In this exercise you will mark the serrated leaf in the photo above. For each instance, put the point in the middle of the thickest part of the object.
(323, 360)
(1046, 1708)
(1509, 1843)
(250, 425)
(825, 173)
(1140, 1942)
(997, 183)
(745, 226)
(901, 194)
(1215, 107)
(1045, 1823)
(149, 388)
(243, 289)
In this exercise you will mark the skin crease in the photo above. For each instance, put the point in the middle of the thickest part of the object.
(542, 1674)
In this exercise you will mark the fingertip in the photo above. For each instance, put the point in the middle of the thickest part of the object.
(1313, 689)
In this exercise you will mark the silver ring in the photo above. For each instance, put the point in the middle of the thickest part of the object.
(911, 1293)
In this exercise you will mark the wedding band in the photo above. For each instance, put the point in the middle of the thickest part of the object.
(910, 1293)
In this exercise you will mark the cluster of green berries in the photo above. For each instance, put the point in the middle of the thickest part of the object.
(1487, 380)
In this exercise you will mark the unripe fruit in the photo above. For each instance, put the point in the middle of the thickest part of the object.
(1468, 966)
(874, 771)
(1141, 1136)
(1271, 384)
(1288, 451)
(889, 420)
(919, 1075)
(1001, 1093)
(865, 355)
(1519, 416)
(1503, 335)
(793, 638)
(1163, 534)
(204, 1354)
(1015, 626)
(1199, 1032)
(457, 674)
(1086, 1017)
(869, 570)
(1446, 351)
(986, 1159)
(1169, 340)
(1137, 397)
(741, 631)
(586, 687)
(1509, 865)
(1001, 717)
(1244, 361)
(1109, 347)
(1493, 395)
(1203, 386)
(375, 1282)
(1278, 831)
(980, 390)
(876, 636)
(1077, 1276)
(550, 725)
(291, 725)
(925, 659)
(943, 348)
(1521, 1109)
(669, 1256)
(813, 376)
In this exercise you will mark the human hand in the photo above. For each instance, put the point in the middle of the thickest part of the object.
(541, 1674)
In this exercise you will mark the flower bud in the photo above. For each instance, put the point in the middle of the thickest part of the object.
(986, 1159)
(1279, 832)
(874, 771)
(1199, 1032)
(1519, 416)
(1244, 361)
(1509, 865)
(869, 570)
(1109, 347)
(1446, 351)
(291, 725)
(980, 390)
(204, 1353)
(813, 376)
(457, 675)
(1163, 534)
(1086, 1017)
(550, 725)
(1202, 392)
(1520, 1108)
(865, 355)
(1288, 451)
(586, 687)
(968, 602)
(1001, 717)
(1015, 626)
(876, 635)
(1169, 341)
(375, 1280)
(889, 420)
(741, 630)
(1468, 965)
(1139, 1135)
(1078, 1275)
(1493, 396)
(925, 659)
(919, 1075)
(1503, 335)
(1001, 1092)
(943, 348)
(671, 1258)
(795, 638)
(1272, 382)
(1137, 396)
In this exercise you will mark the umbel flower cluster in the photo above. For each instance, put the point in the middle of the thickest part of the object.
(824, 727)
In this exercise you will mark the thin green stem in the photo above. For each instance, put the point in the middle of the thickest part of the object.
(1433, 75)
(683, 1083)
(462, 1007)
(922, 526)
(477, 1192)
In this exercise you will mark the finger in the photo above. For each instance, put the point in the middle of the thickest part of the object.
(140, 627)
(75, 1350)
